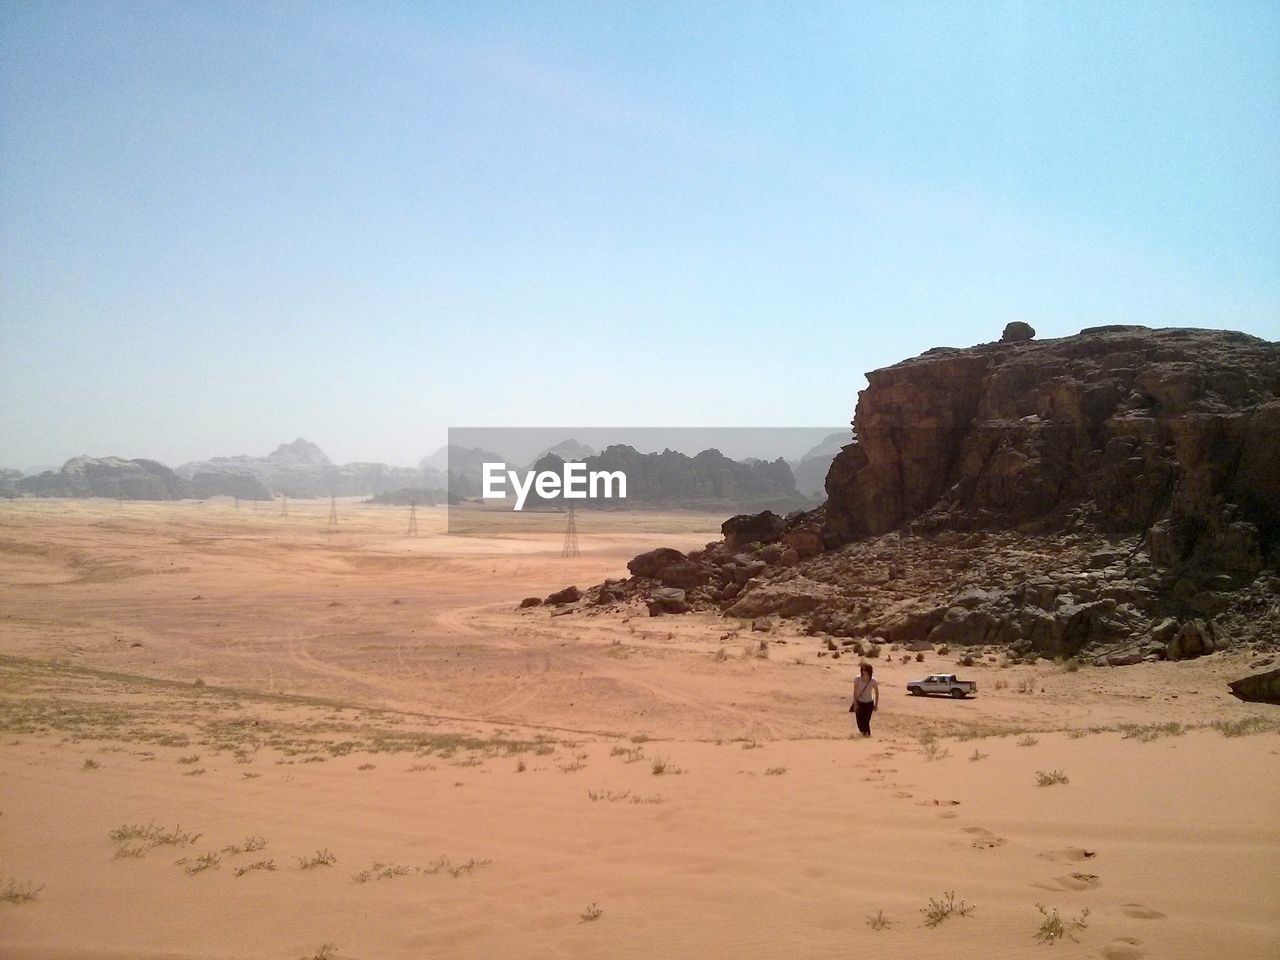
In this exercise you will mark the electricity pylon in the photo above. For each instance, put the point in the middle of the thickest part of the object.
(284, 505)
(413, 520)
(570, 534)
(333, 511)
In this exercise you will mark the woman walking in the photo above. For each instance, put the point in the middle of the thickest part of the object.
(866, 699)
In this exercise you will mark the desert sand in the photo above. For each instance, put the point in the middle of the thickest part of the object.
(230, 733)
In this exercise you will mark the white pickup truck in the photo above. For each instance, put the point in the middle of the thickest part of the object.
(942, 683)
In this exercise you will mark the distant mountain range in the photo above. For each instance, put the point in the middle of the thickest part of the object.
(301, 470)
(811, 469)
(673, 479)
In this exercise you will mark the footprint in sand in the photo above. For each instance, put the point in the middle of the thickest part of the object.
(1140, 912)
(1072, 881)
(1123, 948)
(948, 815)
(984, 839)
(1069, 854)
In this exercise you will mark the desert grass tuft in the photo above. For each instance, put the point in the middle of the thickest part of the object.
(590, 914)
(206, 861)
(1245, 726)
(90, 764)
(775, 771)
(1028, 741)
(1146, 732)
(878, 921)
(268, 864)
(250, 845)
(622, 796)
(1049, 779)
(932, 749)
(383, 871)
(18, 891)
(1052, 929)
(321, 858)
(133, 840)
(935, 911)
(661, 764)
(978, 755)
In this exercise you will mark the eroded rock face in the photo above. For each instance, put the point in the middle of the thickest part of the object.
(1112, 497)
(1174, 434)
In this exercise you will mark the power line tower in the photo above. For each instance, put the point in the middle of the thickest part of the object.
(333, 511)
(570, 534)
(284, 506)
(413, 520)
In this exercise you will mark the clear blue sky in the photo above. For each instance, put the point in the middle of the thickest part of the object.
(226, 225)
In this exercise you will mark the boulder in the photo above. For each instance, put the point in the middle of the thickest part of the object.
(1258, 688)
(685, 575)
(765, 527)
(1195, 638)
(567, 595)
(1017, 332)
(652, 563)
(666, 600)
(530, 602)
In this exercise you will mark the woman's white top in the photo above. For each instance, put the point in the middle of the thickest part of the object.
(863, 690)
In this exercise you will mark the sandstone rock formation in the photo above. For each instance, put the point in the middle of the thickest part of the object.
(1112, 496)
(410, 496)
(1017, 331)
(301, 469)
(9, 482)
(811, 469)
(241, 485)
(1174, 434)
(708, 480)
(106, 477)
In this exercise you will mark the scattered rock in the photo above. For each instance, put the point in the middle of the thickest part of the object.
(667, 600)
(652, 564)
(1259, 688)
(765, 527)
(567, 595)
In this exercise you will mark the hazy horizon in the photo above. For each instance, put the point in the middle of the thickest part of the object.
(223, 227)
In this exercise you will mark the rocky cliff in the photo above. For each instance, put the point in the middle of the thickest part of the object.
(1113, 495)
(1173, 434)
